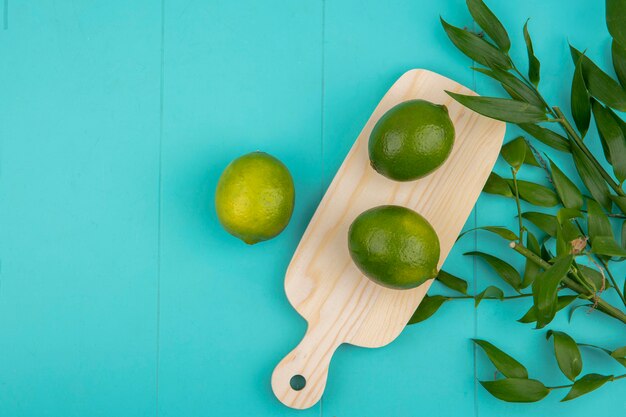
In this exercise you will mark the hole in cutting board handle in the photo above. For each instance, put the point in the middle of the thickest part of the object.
(297, 382)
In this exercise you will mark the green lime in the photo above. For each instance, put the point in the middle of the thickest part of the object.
(255, 197)
(411, 140)
(394, 246)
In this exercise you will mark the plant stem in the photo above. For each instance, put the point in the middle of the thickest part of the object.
(565, 124)
(615, 378)
(510, 297)
(612, 279)
(614, 215)
(519, 208)
(571, 284)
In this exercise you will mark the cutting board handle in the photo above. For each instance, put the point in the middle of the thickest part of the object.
(299, 379)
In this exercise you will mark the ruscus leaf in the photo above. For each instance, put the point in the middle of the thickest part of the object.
(581, 110)
(607, 246)
(586, 384)
(504, 363)
(503, 232)
(514, 152)
(545, 289)
(618, 55)
(591, 178)
(536, 194)
(476, 48)
(497, 185)
(490, 292)
(562, 302)
(515, 87)
(546, 222)
(616, 19)
(599, 84)
(598, 222)
(502, 268)
(516, 390)
(507, 110)
(531, 269)
(489, 23)
(533, 63)
(567, 354)
(569, 194)
(613, 140)
(452, 282)
(547, 136)
(428, 307)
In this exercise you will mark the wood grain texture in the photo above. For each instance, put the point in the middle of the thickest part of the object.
(322, 283)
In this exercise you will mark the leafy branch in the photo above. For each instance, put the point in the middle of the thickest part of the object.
(567, 243)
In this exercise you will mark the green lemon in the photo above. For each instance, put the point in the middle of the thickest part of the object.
(394, 246)
(411, 140)
(255, 197)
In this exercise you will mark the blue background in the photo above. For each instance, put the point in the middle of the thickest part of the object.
(120, 295)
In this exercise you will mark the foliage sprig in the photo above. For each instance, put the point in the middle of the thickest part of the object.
(568, 245)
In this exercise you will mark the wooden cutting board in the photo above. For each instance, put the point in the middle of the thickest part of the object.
(323, 284)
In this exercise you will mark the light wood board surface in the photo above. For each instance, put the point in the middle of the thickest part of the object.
(323, 284)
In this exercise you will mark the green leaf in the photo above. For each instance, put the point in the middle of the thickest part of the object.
(507, 110)
(503, 232)
(619, 201)
(530, 158)
(497, 185)
(616, 19)
(565, 214)
(613, 140)
(516, 390)
(547, 136)
(515, 87)
(562, 302)
(504, 363)
(598, 223)
(586, 384)
(489, 23)
(533, 63)
(569, 194)
(546, 222)
(576, 307)
(581, 110)
(567, 354)
(591, 178)
(428, 307)
(476, 48)
(545, 289)
(566, 231)
(514, 152)
(618, 54)
(594, 277)
(452, 282)
(623, 234)
(503, 269)
(607, 246)
(536, 194)
(599, 84)
(490, 292)
(531, 269)
(619, 355)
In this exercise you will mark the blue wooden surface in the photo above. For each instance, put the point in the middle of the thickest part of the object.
(120, 295)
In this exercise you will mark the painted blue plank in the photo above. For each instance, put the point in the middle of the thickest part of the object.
(583, 25)
(79, 119)
(239, 77)
(429, 369)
